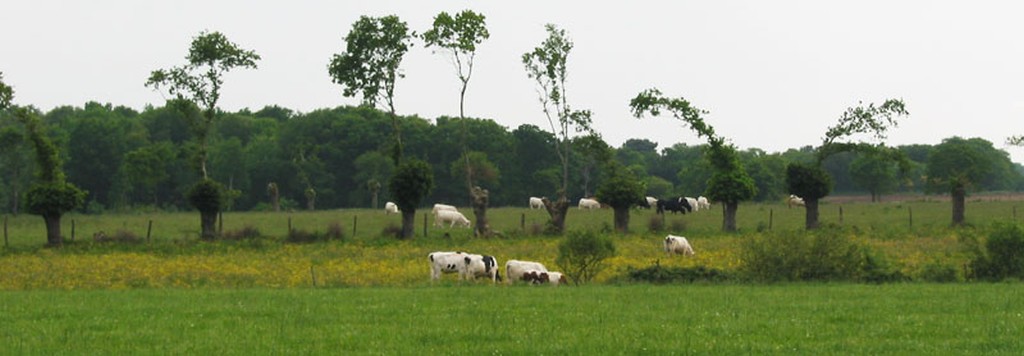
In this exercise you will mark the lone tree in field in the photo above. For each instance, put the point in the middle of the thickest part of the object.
(957, 165)
(374, 50)
(369, 67)
(729, 182)
(622, 190)
(196, 87)
(51, 195)
(460, 36)
(547, 66)
(811, 182)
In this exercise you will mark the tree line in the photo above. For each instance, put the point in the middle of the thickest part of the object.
(126, 159)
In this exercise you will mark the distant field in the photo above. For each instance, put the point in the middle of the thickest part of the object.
(595, 320)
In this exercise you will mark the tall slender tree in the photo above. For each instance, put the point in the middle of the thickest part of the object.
(51, 195)
(196, 87)
(546, 65)
(811, 182)
(729, 182)
(459, 36)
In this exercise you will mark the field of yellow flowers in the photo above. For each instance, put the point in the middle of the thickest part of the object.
(365, 257)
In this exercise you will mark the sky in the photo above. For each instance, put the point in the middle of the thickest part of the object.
(772, 75)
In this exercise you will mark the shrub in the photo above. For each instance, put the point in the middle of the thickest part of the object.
(535, 229)
(656, 223)
(301, 236)
(1003, 255)
(119, 236)
(659, 274)
(581, 255)
(245, 233)
(939, 273)
(678, 225)
(391, 230)
(335, 231)
(826, 254)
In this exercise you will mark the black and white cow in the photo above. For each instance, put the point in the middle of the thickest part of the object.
(675, 205)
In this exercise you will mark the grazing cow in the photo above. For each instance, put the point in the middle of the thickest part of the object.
(692, 203)
(446, 262)
(451, 217)
(588, 203)
(678, 245)
(481, 266)
(794, 200)
(543, 277)
(391, 208)
(514, 269)
(703, 203)
(556, 278)
(536, 203)
(651, 202)
(439, 207)
(675, 205)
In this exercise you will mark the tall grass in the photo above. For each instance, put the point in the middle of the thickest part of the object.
(730, 319)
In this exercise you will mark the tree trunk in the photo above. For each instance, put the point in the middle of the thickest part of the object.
(729, 217)
(557, 210)
(408, 223)
(622, 219)
(208, 221)
(53, 237)
(811, 205)
(480, 200)
(373, 199)
(958, 196)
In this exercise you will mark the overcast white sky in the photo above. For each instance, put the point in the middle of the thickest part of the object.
(773, 74)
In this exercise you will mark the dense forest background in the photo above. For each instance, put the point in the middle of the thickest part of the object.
(128, 159)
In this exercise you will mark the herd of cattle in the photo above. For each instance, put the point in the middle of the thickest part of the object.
(470, 266)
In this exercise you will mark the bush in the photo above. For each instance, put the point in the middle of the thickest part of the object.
(1003, 256)
(659, 274)
(939, 273)
(119, 236)
(246, 233)
(826, 254)
(656, 223)
(581, 255)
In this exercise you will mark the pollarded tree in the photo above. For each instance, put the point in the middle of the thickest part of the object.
(811, 182)
(957, 165)
(620, 189)
(196, 87)
(546, 65)
(460, 35)
(51, 195)
(413, 180)
(374, 50)
(729, 182)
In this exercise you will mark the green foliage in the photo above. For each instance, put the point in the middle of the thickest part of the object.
(460, 36)
(969, 163)
(481, 169)
(207, 196)
(861, 119)
(823, 255)
(582, 255)
(6, 93)
(807, 182)
(1003, 256)
(874, 173)
(210, 56)
(412, 181)
(374, 49)
(53, 198)
(658, 274)
(620, 188)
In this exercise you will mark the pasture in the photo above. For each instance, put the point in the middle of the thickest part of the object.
(635, 319)
(174, 258)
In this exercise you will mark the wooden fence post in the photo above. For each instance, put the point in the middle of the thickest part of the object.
(289, 224)
(355, 221)
(6, 244)
(910, 211)
(149, 230)
(522, 222)
(72, 230)
(312, 273)
(771, 218)
(840, 214)
(424, 224)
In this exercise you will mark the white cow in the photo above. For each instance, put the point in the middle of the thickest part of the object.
(446, 262)
(391, 208)
(694, 206)
(556, 278)
(651, 201)
(678, 245)
(439, 207)
(536, 203)
(587, 203)
(481, 266)
(543, 277)
(450, 217)
(514, 269)
(794, 200)
(703, 202)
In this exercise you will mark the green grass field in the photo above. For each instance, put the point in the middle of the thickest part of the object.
(702, 319)
(370, 294)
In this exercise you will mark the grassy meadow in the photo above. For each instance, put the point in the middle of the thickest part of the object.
(371, 293)
(596, 319)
